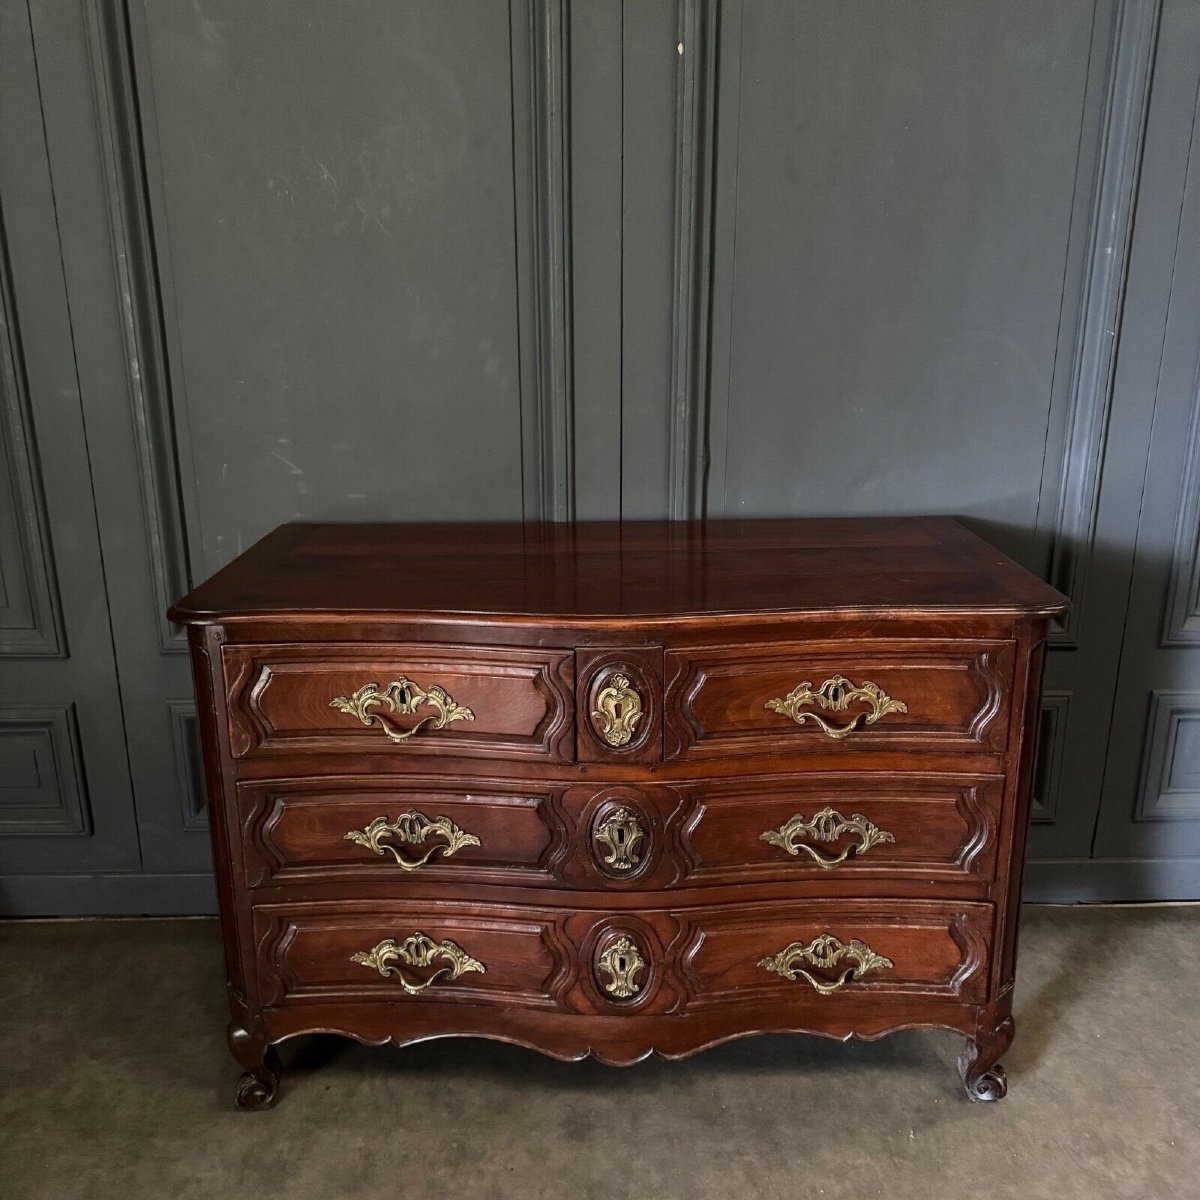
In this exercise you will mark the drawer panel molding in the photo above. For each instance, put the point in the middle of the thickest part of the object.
(472, 701)
(875, 697)
(374, 830)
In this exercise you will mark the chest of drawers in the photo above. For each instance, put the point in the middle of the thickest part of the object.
(617, 790)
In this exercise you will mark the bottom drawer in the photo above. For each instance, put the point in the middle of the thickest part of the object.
(379, 950)
(650, 960)
(823, 949)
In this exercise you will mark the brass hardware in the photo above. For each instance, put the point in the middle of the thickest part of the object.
(826, 826)
(621, 962)
(825, 953)
(618, 710)
(836, 695)
(619, 834)
(401, 697)
(412, 828)
(417, 950)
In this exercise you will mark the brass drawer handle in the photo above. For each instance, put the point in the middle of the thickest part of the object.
(617, 712)
(621, 962)
(826, 826)
(836, 695)
(412, 828)
(825, 953)
(401, 698)
(417, 950)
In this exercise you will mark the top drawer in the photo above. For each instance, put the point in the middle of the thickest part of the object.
(859, 695)
(401, 699)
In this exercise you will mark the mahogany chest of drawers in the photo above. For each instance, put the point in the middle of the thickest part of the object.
(619, 789)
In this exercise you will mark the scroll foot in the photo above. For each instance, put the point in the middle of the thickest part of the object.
(979, 1065)
(257, 1088)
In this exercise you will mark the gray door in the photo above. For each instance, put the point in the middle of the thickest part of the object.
(1150, 811)
(66, 804)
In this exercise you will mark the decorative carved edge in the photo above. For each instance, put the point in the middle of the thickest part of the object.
(973, 945)
(566, 1045)
(985, 670)
(981, 827)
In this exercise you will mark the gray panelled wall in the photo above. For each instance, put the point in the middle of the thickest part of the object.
(576, 259)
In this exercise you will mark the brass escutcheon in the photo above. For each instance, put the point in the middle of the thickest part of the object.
(621, 962)
(617, 712)
(620, 834)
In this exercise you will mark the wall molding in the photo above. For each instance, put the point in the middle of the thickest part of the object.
(1047, 791)
(31, 623)
(1126, 105)
(1181, 614)
(553, 344)
(107, 895)
(1158, 799)
(139, 299)
(1111, 880)
(53, 802)
(189, 781)
(695, 124)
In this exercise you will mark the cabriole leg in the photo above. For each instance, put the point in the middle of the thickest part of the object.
(979, 1063)
(257, 1087)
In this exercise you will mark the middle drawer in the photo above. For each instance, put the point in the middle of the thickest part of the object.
(774, 829)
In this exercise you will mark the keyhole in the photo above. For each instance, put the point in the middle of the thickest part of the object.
(835, 694)
(622, 964)
(621, 835)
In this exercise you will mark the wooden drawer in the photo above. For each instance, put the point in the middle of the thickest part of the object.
(855, 831)
(468, 701)
(655, 960)
(827, 827)
(824, 951)
(437, 828)
(428, 951)
(838, 697)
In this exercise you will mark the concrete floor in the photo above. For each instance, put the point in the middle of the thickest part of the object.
(114, 1082)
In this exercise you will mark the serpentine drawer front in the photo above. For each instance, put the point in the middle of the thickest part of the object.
(413, 700)
(619, 789)
(816, 828)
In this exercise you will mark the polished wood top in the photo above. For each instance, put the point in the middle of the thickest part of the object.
(644, 569)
